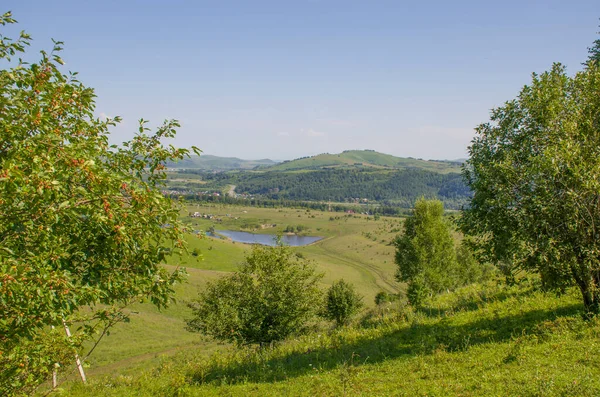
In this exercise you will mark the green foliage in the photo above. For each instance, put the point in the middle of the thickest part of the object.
(470, 270)
(342, 302)
(383, 297)
(417, 291)
(294, 229)
(398, 187)
(84, 226)
(272, 296)
(594, 52)
(425, 253)
(535, 173)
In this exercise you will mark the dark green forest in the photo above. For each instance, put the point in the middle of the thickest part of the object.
(387, 187)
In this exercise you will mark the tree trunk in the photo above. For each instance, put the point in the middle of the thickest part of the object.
(588, 283)
(591, 297)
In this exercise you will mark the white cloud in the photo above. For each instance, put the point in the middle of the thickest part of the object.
(104, 116)
(283, 133)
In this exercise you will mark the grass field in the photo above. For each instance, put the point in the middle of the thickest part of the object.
(490, 339)
(355, 248)
(486, 340)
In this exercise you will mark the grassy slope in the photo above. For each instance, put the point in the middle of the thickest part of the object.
(344, 253)
(493, 341)
(366, 158)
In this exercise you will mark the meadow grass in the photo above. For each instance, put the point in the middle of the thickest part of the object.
(355, 248)
(481, 340)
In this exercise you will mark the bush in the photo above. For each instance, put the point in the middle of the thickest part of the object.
(384, 297)
(274, 295)
(342, 302)
(470, 270)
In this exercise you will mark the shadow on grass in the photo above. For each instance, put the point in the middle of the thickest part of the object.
(408, 341)
(475, 300)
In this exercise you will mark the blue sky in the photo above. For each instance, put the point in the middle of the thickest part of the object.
(284, 79)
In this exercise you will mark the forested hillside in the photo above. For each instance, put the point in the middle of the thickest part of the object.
(401, 188)
(398, 188)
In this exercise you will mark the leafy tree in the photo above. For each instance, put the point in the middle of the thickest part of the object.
(470, 269)
(425, 253)
(84, 227)
(594, 52)
(417, 291)
(342, 302)
(272, 296)
(535, 173)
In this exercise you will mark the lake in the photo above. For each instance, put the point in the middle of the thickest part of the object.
(267, 239)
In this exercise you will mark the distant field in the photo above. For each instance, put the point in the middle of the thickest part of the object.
(355, 248)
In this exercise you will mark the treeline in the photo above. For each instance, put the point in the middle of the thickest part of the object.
(385, 210)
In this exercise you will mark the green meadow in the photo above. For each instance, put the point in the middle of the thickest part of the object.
(354, 247)
(489, 339)
(482, 340)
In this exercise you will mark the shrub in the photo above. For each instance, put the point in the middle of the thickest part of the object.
(384, 297)
(342, 302)
(272, 296)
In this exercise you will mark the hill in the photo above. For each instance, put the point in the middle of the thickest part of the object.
(215, 163)
(364, 158)
(390, 187)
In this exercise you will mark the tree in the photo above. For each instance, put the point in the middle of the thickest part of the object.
(534, 169)
(84, 226)
(342, 302)
(273, 295)
(594, 52)
(470, 269)
(425, 253)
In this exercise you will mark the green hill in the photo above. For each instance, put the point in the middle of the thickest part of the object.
(364, 158)
(216, 163)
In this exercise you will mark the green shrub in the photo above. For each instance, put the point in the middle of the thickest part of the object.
(417, 291)
(342, 302)
(384, 297)
(271, 297)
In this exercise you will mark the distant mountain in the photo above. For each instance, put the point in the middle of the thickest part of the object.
(361, 159)
(215, 163)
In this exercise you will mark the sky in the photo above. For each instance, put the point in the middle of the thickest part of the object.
(285, 79)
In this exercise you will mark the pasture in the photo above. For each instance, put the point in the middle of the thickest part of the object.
(354, 247)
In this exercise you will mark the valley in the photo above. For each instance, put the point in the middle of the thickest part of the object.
(354, 247)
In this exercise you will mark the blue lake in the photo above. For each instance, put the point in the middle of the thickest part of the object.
(266, 239)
